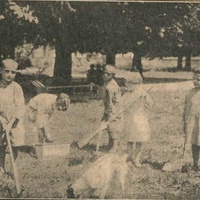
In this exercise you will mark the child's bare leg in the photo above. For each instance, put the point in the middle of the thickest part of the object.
(41, 135)
(195, 155)
(138, 151)
(130, 150)
(116, 146)
(110, 141)
(2, 158)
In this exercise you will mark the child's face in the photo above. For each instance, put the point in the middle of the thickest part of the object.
(107, 77)
(196, 80)
(8, 74)
(62, 104)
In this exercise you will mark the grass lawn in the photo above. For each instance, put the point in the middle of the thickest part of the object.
(49, 178)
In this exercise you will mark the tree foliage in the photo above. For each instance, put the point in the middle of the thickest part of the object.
(148, 29)
(16, 21)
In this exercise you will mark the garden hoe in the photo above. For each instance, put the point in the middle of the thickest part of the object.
(14, 166)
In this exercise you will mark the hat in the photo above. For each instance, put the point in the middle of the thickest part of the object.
(110, 69)
(10, 64)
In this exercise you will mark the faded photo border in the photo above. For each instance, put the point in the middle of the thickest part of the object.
(77, 158)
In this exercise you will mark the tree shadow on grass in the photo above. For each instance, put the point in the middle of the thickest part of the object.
(92, 147)
(88, 153)
(154, 164)
(75, 161)
(172, 69)
(148, 80)
(85, 154)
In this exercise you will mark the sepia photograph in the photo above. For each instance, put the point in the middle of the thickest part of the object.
(99, 99)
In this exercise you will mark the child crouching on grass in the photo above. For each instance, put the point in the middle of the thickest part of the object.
(40, 110)
(191, 117)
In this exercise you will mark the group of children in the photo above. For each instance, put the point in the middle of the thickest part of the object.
(125, 116)
(126, 119)
(132, 124)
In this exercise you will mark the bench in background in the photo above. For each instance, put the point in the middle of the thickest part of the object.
(70, 89)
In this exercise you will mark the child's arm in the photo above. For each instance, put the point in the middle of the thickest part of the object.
(3, 119)
(109, 105)
(147, 97)
(149, 101)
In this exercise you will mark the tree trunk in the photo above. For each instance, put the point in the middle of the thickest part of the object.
(137, 63)
(45, 50)
(110, 58)
(179, 63)
(63, 65)
(63, 59)
(188, 62)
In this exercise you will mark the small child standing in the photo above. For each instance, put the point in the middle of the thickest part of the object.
(191, 116)
(136, 124)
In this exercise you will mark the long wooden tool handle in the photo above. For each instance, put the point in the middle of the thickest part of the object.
(15, 170)
(98, 141)
(84, 141)
(183, 154)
